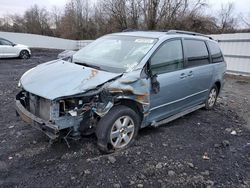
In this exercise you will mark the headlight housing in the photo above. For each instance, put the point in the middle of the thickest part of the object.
(75, 106)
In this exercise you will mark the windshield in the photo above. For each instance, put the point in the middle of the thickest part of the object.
(114, 53)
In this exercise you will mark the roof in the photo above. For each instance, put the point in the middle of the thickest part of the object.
(150, 34)
(169, 34)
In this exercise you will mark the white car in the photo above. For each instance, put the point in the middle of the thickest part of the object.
(10, 49)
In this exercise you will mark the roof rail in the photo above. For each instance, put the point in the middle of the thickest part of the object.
(187, 33)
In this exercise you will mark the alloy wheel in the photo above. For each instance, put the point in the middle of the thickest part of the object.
(122, 132)
(212, 97)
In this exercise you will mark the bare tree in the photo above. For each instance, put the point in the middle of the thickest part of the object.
(102, 21)
(36, 20)
(55, 21)
(81, 19)
(165, 14)
(5, 23)
(17, 23)
(76, 20)
(134, 12)
(226, 19)
(245, 20)
(151, 15)
(117, 11)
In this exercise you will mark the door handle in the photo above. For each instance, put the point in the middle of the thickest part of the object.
(183, 75)
(190, 73)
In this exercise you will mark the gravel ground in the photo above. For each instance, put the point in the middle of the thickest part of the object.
(202, 149)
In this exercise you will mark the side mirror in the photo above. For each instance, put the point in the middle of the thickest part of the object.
(155, 85)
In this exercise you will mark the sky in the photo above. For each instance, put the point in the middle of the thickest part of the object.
(241, 6)
(19, 6)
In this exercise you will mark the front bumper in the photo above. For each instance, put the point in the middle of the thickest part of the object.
(29, 51)
(51, 130)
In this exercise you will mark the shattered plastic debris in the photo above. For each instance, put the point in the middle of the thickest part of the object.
(233, 133)
(205, 156)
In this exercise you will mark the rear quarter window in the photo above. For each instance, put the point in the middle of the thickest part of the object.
(196, 52)
(215, 52)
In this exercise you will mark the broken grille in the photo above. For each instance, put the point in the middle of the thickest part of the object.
(39, 106)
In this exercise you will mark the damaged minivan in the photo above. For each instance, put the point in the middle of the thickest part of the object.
(120, 83)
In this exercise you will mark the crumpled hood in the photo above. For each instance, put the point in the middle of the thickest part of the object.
(61, 78)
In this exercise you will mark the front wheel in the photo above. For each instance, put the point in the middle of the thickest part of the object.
(212, 97)
(117, 129)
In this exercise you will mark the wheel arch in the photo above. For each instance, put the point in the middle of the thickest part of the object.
(134, 105)
(218, 85)
(21, 50)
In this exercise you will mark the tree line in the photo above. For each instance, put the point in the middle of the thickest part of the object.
(81, 19)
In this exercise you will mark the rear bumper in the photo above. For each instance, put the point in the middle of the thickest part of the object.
(49, 129)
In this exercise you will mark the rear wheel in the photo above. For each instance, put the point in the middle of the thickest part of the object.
(212, 97)
(24, 54)
(117, 129)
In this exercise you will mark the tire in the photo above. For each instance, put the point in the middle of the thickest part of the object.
(117, 129)
(212, 98)
(24, 54)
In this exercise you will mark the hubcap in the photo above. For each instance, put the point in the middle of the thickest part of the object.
(212, 97)
(122, 132)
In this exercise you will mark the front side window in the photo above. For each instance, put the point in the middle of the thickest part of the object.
(115, 53)
(215, 52)
(168, 58)
(5, 42)
(196, 52)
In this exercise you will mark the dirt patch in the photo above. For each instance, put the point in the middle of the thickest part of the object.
(236, 95)
(197, 150)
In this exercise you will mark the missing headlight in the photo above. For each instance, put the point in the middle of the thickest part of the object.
(75, 107)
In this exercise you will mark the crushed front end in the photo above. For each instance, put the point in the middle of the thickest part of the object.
(60, 104)
(36, 111)
(69, 116)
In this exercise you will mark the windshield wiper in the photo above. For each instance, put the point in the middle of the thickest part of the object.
(88, 65)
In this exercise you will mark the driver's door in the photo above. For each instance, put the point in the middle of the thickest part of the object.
(8, 49)
(167, 63)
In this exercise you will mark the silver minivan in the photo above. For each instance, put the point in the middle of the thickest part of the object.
(120, 83)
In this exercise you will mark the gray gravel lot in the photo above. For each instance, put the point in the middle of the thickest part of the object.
(197, 150)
